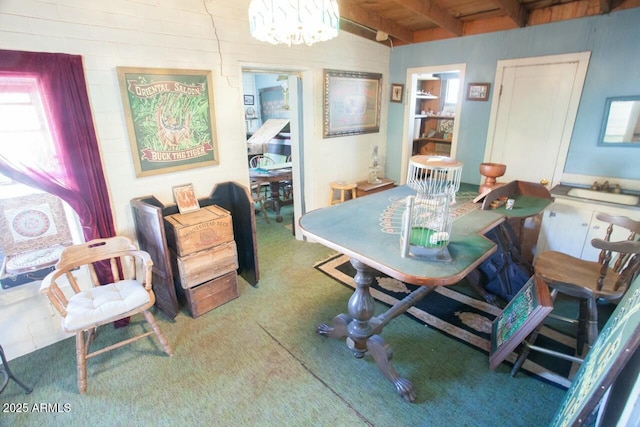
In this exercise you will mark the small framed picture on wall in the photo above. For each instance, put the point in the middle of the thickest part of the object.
(478, 91)
(397, 90)
(248, 100)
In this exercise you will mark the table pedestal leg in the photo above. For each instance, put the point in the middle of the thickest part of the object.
(275, 199)
(361, 330)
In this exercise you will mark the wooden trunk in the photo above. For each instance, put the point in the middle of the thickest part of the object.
(203, 229)
(199, 267)
(203, 298)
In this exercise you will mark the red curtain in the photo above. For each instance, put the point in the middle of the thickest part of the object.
(80, 182)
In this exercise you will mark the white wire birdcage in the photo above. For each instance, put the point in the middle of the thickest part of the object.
(427, 223)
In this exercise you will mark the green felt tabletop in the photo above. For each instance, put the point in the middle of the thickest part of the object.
(368, 229)
(524, 206)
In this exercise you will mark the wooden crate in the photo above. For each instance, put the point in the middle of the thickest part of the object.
(199, 230)
(199, 267)
(203, 298)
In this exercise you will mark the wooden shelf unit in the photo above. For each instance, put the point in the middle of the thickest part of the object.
(427, 104)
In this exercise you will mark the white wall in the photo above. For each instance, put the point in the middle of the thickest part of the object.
(193, 34)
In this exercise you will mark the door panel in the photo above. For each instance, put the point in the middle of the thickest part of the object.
(533, 114)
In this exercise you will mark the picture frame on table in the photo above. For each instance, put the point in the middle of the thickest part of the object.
(248, 99)
(478, 91)
(351, 103)
(397, 92)
(170, 118)
(185, 198)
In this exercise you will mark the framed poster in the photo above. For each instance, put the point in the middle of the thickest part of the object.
(397, 90)
(351, 103)
(185, 198)
(519, 318)
(478, 91)
(170, 118)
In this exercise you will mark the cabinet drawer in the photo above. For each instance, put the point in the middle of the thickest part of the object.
(206, 297)
(202, 266)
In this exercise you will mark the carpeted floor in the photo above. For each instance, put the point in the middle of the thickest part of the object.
(257, 361)
(462, 315)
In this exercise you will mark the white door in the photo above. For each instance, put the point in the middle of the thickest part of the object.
(532, 115)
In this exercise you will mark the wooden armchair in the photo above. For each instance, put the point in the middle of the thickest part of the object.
(606, 279)
(84, 303)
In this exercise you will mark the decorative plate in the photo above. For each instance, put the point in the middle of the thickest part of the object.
(33, 260)
(31, 223)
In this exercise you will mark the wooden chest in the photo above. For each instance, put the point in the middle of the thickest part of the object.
(199, 267)
(203, 298)
(199, 230)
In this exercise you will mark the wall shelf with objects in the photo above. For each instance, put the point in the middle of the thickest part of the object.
(433, 127)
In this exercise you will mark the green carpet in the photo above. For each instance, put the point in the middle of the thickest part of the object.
(461, 314)
(257, 361)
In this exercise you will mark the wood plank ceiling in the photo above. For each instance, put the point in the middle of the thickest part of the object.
(398, 22)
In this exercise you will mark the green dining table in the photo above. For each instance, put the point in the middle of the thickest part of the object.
(367, 229)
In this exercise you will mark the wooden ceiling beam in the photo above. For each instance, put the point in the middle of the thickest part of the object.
(354, 13)
(435, 14)
(605, 6)
(515, 11)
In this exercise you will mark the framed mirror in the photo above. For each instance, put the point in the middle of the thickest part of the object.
(621, 123)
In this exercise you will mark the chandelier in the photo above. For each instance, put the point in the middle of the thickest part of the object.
(294, 21)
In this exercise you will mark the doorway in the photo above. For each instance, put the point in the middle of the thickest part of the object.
(277, 94)
(533, 115)
(432, 113)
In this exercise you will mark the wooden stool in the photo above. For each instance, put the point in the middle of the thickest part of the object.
(342, 188)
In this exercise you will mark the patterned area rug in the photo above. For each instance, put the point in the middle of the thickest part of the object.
(462, 318)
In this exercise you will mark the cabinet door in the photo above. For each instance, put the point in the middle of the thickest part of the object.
(598, 229)
(564, 228)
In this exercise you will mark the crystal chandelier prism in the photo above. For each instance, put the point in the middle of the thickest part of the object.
(294, 21)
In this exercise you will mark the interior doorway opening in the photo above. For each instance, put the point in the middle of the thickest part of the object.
(432, 113)
(273, 124)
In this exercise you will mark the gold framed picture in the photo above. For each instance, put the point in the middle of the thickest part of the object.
(170, 118)
(351, 103)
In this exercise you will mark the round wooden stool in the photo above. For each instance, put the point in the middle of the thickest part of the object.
(342, 188)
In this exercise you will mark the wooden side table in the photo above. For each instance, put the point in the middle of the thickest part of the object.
(364, 188)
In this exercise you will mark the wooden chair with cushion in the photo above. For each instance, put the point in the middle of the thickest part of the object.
(84, 303)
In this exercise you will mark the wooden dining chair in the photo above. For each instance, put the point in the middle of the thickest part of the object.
(259, 200)
(606, 279)
(85, 303)
(588, 281)
(261, 161)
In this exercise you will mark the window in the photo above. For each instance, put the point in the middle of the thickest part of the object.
(453, 87)
(25, 138)
(24, 131)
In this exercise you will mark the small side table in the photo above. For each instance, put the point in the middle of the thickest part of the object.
(6, 373)
(364, 188)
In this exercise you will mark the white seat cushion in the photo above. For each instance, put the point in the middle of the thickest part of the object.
(95, 305)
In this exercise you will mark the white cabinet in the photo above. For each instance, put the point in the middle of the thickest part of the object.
(568, 226)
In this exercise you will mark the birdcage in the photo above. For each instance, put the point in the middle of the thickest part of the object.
(427, 222)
